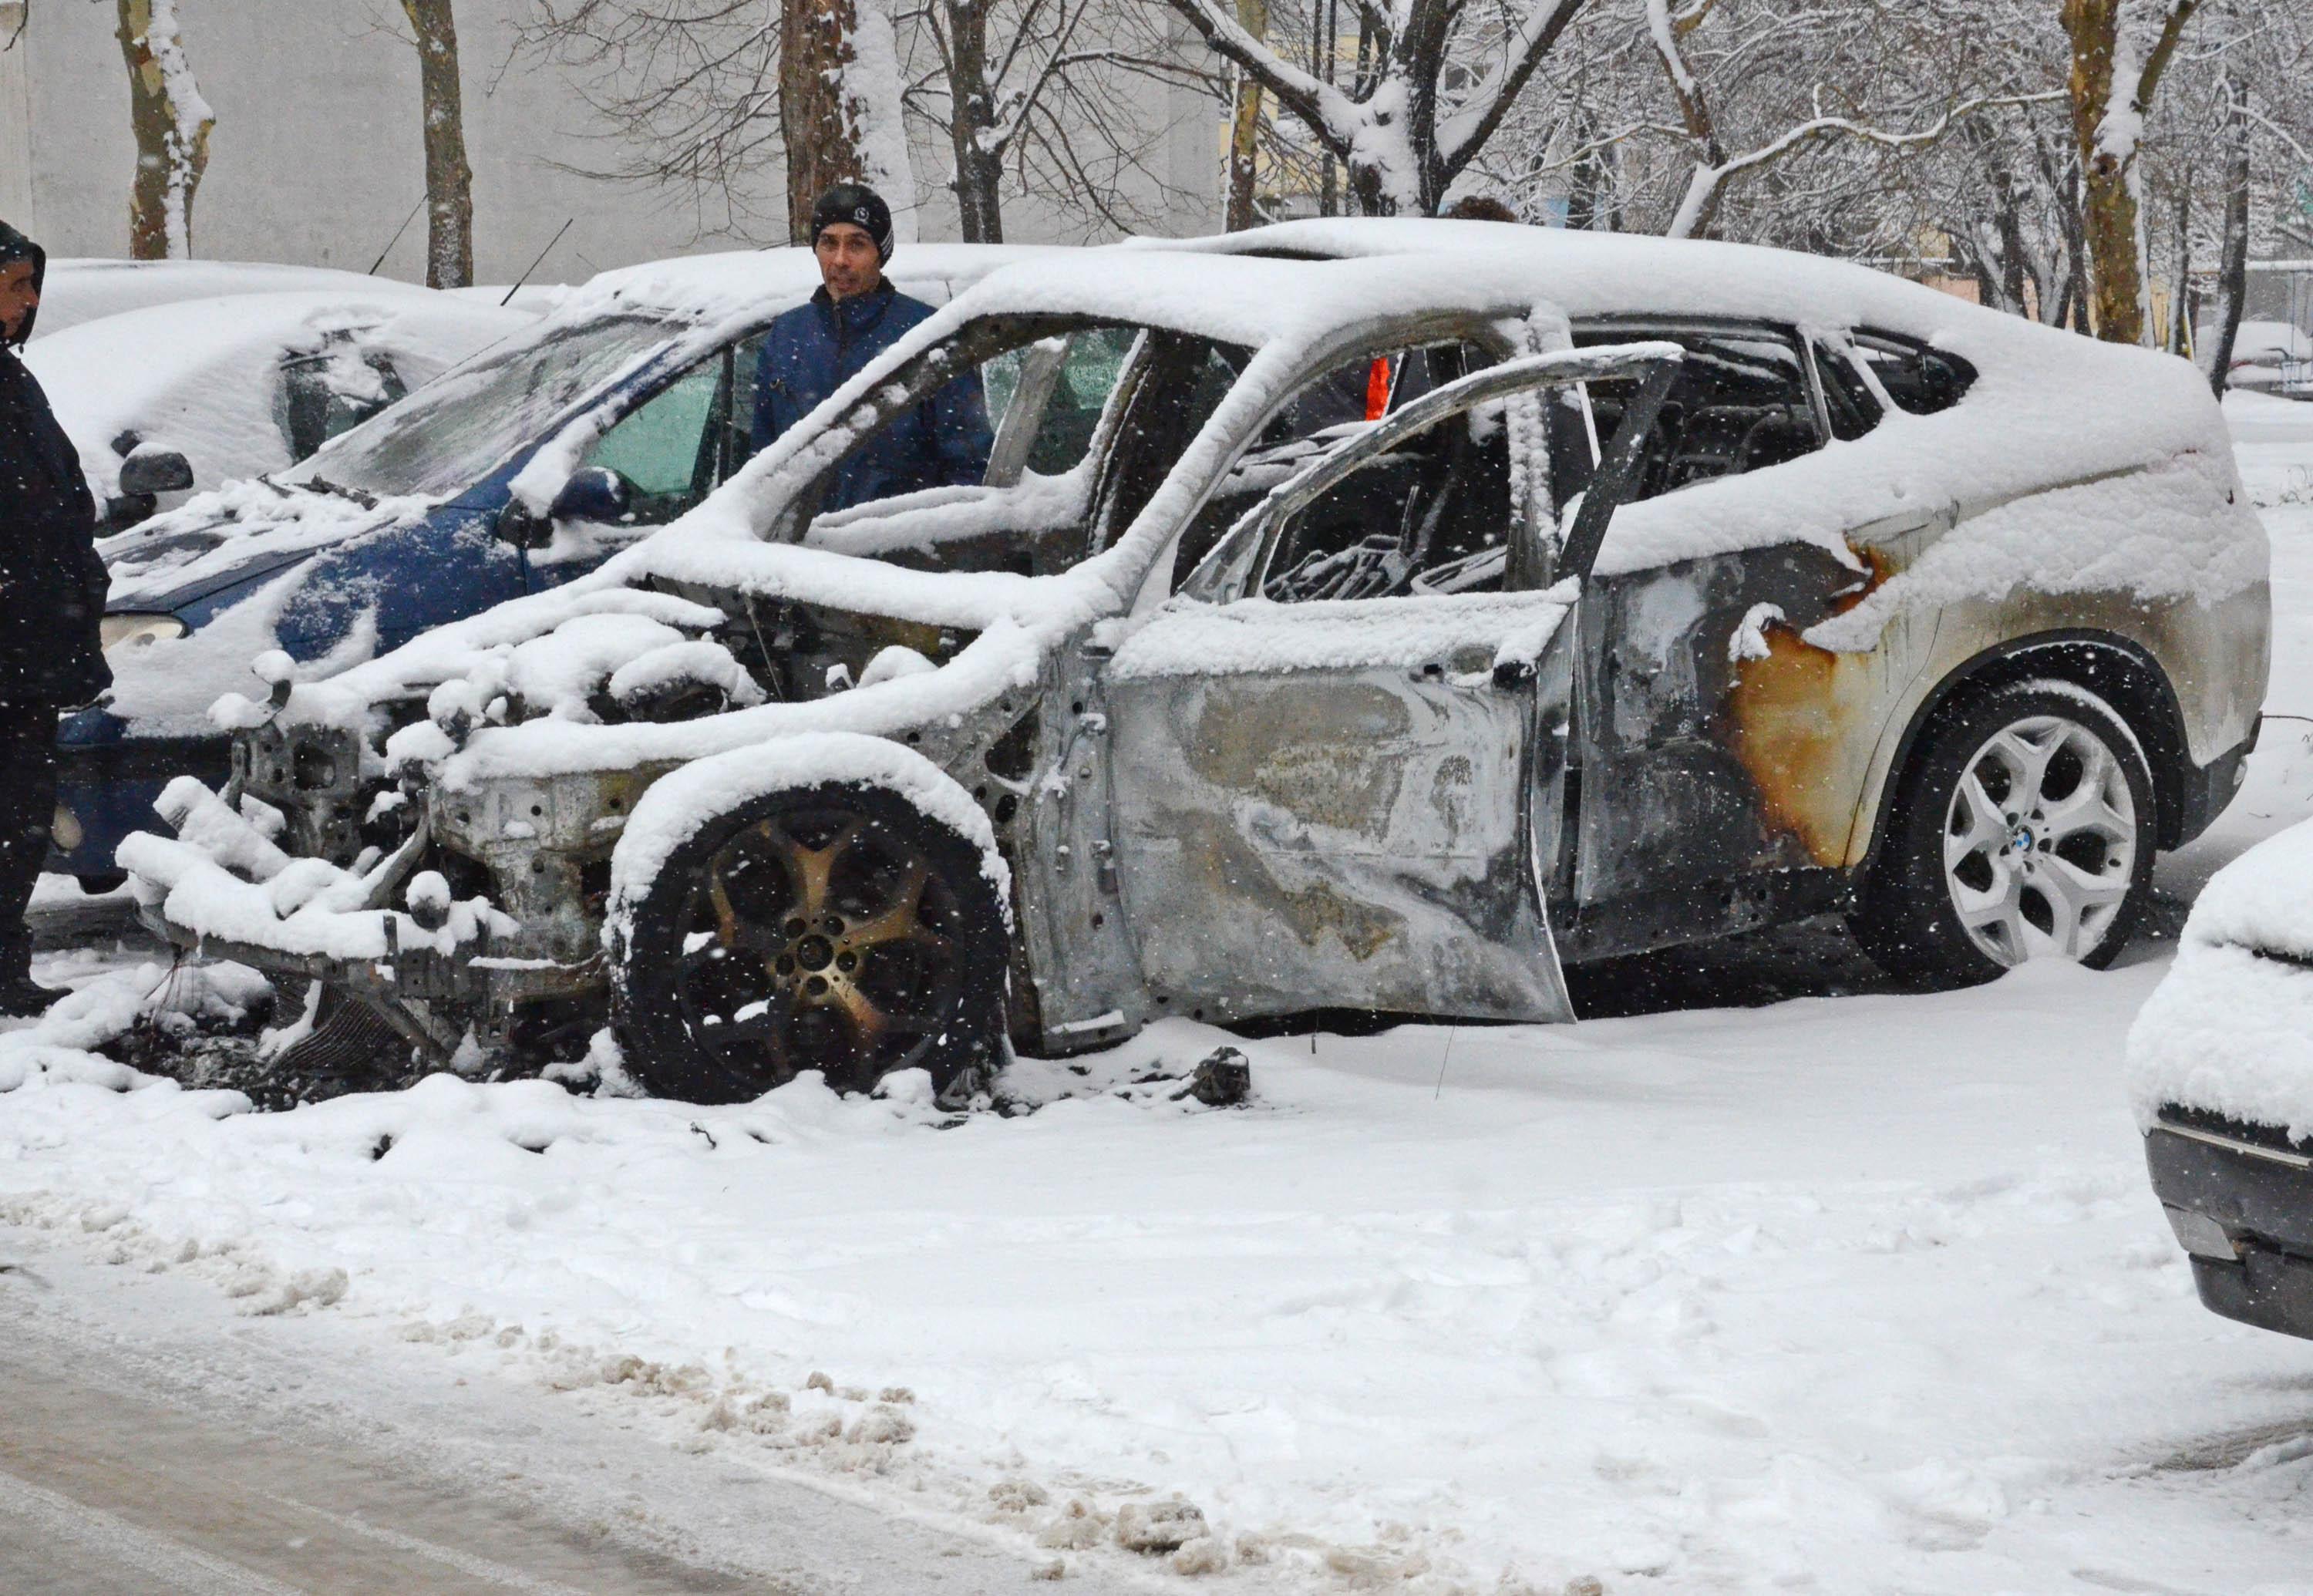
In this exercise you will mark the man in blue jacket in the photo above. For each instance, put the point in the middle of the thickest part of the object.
(854, 316)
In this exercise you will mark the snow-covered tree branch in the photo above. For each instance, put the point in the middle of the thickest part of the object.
(1401, 133)
(1053, 101)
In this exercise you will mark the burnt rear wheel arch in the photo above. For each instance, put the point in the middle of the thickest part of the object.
(835, 928)
(2120, 672)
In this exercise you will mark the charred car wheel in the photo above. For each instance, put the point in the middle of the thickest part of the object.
(2024, 830)
(834, 929)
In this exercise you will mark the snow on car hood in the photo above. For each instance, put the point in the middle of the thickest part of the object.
(244, 533)
(2230, 1029)
(227, 536)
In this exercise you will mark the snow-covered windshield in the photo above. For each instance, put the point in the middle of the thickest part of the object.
(446, 437)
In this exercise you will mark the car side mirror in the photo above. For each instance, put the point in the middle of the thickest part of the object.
(517, 526)
(155, 471)
(595, 493)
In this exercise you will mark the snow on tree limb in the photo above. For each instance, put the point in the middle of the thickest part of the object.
(1403, 147)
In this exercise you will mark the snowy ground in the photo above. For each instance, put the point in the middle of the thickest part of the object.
(1862, 1293)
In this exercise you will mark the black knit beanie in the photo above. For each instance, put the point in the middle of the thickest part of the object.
(860, 206)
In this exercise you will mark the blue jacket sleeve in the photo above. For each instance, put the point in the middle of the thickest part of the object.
(768, 423)
(956, 419)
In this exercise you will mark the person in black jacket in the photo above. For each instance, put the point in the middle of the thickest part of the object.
(51, 604)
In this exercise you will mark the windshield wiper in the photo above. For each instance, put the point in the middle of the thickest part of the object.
(367, 501)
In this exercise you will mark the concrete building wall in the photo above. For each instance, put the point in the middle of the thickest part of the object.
(315, 159)
(15, 115)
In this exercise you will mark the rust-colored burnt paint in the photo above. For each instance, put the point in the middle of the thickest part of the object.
(1806, 721)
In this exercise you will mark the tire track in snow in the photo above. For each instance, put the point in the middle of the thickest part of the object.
(95, 1533)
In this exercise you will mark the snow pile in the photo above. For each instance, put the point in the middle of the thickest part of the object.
(555, 674)
(222, 878)
(2230, 1030)
(58, 1049)
(675, 666)
(1567, 1315)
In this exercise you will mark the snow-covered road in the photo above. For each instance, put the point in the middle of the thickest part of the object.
(1843, 1294)
(152, 1445)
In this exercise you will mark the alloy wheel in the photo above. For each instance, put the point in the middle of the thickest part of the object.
(2040, 840)
(820, 939)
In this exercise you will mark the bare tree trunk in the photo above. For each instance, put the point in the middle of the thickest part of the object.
(1324, 46)
(449, 179)
(815, 48)
(1583, 189)
(2007, 220)
(1245, 125)
(2232, 264)
(837, 126)
(2108, 109)
(972, 124)
(2180, 273)
(171, 123)
(2108, 214)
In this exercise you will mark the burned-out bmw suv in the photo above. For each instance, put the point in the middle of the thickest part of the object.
(1375, 631)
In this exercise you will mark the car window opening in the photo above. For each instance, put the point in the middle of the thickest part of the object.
(1739, 403)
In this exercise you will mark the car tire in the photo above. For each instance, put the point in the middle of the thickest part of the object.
(2024, 828)
(834, 928)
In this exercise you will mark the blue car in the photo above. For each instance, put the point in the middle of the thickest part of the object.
(616, 414)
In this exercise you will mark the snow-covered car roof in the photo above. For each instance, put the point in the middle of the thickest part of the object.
(2049, 409)
(84, 288)
(1591, 274)
(201, 376)
(709, 288)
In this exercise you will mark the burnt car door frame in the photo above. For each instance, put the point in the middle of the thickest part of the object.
(1699, 818)
(1285, 811)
